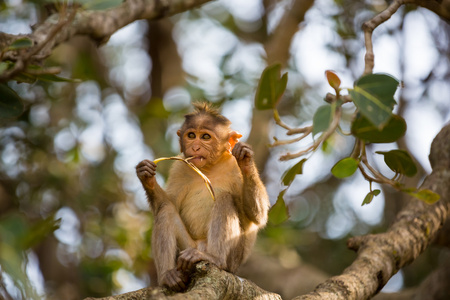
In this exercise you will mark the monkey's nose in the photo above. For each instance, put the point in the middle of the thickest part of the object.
(196, 148)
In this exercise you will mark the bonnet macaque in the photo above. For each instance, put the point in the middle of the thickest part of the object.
(189, 225)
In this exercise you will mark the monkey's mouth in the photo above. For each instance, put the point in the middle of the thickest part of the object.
(197, 159)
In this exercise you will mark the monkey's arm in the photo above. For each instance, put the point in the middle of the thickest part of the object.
(255, 199)
(146, 171)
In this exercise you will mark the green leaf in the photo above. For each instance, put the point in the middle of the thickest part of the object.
(425, 195)
(4, 66)
(322, 119)
(25, 77)
(373, 94)
(290, 174)
(369, 197)
(399, 161)
(333, 80)
(345, 167)
(41, 230)
(279, 212)
(11, 105)
(363, 129)
(21, 43)
(270, 87)
(327, 146)
(55, 78)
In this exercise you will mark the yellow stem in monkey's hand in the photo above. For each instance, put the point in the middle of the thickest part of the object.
(193, 167)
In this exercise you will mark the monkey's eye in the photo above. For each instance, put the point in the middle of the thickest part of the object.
(191, 135)
(206, 136)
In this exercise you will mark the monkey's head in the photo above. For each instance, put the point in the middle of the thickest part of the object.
(206, 136)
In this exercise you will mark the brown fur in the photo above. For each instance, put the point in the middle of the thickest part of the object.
(189, 225)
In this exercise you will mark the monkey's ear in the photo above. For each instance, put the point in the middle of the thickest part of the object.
(234, 137)
(179, 132)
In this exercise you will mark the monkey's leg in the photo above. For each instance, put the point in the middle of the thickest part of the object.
(169, 236)
(225, 234)
(224, 244)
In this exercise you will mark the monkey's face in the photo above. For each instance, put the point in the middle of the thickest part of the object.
(201, 144)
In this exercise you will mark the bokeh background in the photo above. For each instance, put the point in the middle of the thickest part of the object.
(68, 161)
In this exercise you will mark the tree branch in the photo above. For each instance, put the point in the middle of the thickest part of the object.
(98, 25)
(279, 43)
(331, 129)
(441, 8)
(368, 28)
(25, 57)
(208, 282)
(380, 256)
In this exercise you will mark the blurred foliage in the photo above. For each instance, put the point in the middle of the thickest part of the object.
(68, 193)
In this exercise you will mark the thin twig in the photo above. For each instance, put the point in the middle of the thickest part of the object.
(282, 124)
(357, 149)
(334, 124)
(330, 98)
(278, 121)
(46, 71)
(287, 142)
(375, 173)
(307, 130)
(367, 176)
(368, 28)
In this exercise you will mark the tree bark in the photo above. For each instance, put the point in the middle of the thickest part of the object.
(439, 7)
(98, 25)
(208, 282)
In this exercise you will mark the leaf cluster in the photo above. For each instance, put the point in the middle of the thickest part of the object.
(374, 122)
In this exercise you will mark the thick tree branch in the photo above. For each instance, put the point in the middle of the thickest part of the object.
(279, 43)
(441, 7)
(98, 25)
(208, 282)
(380, 256)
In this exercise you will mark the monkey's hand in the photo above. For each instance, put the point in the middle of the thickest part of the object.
(244, 157)
(191, 256)
(174, 280)
(146, 171)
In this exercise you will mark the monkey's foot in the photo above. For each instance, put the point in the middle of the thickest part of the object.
(175, 280)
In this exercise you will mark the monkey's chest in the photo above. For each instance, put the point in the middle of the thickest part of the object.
(195, 211)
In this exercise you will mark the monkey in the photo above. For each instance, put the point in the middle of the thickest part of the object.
(189, 226)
